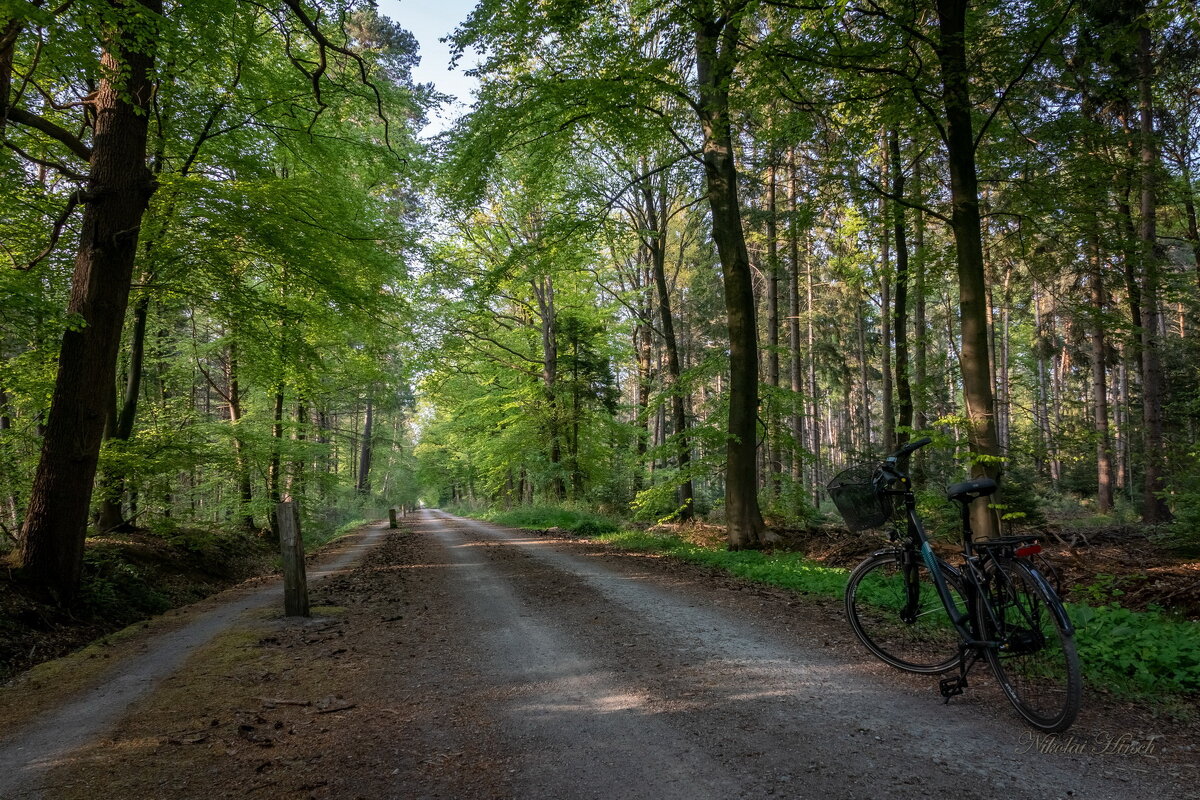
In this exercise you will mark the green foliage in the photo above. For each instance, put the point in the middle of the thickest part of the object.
(1185, 530)
(1018, 503)
(115, 589)
(791, 506)
(1137, 652)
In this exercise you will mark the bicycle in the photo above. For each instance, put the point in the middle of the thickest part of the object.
(919, 613)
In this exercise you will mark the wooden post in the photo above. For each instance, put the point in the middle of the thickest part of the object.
(392, 518)
(295, 584)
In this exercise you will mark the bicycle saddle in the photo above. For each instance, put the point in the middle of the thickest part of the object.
(969, 490)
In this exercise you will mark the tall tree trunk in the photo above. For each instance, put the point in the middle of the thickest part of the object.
(863, 426)
(641, 346)
(1154, 507)
(656, 216)
(921, 402)
(900, 312)
(1193, 230)
(364, 454)
(1104, 494)
(716, 53)
(245, 489)
(795, 364)
(544, 292)
(1124, 450)
(118, 193)
(11, 502)
(968, 241)
(813, 398)
(645, 353)
(296, 480)
(8, 43)
(113, 488)
(1003, 371)
(887, 405)
(775, 462)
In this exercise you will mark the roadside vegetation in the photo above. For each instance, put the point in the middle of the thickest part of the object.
(1147, 654)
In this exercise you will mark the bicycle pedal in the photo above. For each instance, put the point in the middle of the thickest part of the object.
(951, 687)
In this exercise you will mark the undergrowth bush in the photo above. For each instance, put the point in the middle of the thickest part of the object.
(1135, 652)
(114, 589)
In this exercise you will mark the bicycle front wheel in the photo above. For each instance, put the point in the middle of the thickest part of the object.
(903, 622)
(1035, 661)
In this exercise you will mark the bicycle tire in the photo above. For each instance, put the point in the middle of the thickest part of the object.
(1036, 665)
(875, 598)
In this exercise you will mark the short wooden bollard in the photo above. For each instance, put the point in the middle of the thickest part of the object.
(392, 518)
(295, 583)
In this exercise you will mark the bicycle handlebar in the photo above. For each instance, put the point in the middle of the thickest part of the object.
(910, 447)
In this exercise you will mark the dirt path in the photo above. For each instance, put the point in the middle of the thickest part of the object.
(27, 752)
(462, 660)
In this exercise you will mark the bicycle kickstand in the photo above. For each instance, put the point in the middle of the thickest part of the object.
(951, 687)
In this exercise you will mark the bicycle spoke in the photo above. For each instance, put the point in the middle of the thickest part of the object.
(1036, 664)
(876, 598)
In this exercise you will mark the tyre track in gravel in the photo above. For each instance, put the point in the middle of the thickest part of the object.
(484, 663)
(29, 751)
(611, 683)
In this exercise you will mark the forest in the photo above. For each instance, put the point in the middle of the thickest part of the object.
(679, 260)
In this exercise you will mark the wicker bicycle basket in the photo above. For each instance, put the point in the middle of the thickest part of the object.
(853, 492)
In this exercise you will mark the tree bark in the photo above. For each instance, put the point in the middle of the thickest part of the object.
(968, 241)
(1193, 230)
(121, 430)
(118, 193)
(863, 426)
(1104, 482)
(1154, 507)
(887, 405)
(644, 346)
(364, 455)
(543, 290)
(900, 312)
(716, 55)
(921, 368)
(8, 43)
(795, 364)
(775, 462)
(245, 489)
(656, 216)
(814, 417)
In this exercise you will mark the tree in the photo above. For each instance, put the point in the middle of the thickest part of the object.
(122, 174)
(115, 199)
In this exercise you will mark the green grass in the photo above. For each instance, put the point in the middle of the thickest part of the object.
(540, 518)
(787, 570)
(1133, 654)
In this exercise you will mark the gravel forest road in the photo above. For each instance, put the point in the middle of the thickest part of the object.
(464, 660)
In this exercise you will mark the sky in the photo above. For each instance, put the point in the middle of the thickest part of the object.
(430, 21)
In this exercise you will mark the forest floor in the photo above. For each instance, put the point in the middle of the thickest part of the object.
(464, 660)
(128, 577)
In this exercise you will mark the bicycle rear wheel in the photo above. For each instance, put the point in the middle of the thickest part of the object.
(1036, 663)
(905, 627)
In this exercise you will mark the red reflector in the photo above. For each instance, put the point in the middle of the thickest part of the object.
(1027, 550)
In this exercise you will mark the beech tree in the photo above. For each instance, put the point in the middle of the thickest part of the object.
(116, 175)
